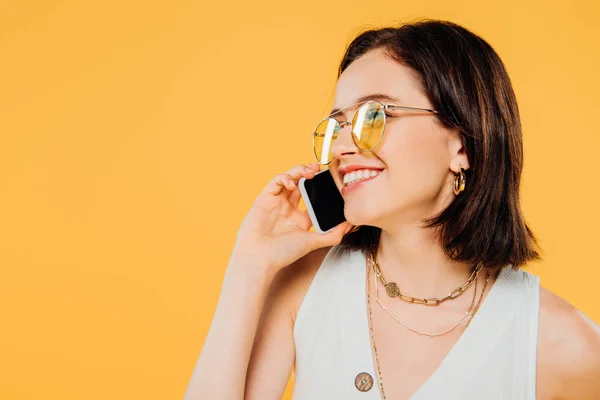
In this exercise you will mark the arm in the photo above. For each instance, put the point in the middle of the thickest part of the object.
(273, 353)
(255, 364)
(274, 234)
(220, 371)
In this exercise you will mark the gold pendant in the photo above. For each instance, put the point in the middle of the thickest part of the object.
(392, 289)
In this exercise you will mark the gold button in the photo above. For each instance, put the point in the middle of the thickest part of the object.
(363, 382)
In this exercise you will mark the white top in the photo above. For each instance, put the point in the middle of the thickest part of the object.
(494, 358)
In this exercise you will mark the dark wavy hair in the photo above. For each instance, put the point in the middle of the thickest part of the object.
(467, 82)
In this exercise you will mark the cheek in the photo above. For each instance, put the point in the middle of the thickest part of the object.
(417, 161)
(334, 170)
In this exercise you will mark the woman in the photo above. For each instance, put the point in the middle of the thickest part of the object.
(429, 170)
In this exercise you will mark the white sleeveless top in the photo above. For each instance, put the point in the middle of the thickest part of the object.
(494, 358)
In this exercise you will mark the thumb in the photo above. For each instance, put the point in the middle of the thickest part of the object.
(330, 238)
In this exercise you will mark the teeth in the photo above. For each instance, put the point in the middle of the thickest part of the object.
(356, 176)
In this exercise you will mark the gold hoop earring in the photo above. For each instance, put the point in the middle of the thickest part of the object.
(460, 180)
(354, 229)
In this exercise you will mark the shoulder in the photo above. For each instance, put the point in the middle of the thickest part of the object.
(568, 350)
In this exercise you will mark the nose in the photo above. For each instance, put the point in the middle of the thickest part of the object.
(344, 145)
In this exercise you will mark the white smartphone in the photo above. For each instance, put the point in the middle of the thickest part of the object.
(324, 202)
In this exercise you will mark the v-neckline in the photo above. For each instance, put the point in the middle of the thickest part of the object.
(467, 352)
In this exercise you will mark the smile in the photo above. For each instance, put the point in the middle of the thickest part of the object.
(356, 179)
(357, 176)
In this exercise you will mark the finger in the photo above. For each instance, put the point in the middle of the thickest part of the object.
(303, 170)
(330, 238)
(294, 174)
(279, 183)
(295, 196)
(309, 172)
(301, 219)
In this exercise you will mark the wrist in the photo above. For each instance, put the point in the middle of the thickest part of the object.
(250, 267)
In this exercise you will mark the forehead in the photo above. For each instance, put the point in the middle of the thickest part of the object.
(374, 72)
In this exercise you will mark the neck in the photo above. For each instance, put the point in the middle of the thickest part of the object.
(413, 258)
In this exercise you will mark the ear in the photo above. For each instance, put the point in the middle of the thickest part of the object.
(457, 151)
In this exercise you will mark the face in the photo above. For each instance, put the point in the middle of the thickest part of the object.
(415, 161)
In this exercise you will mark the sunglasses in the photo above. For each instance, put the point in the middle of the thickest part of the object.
(368, 125)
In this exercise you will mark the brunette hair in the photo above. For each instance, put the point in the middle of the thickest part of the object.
(467, 82)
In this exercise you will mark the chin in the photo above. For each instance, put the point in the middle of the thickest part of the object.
(362, 214)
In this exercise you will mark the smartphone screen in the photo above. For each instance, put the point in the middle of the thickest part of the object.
(323, 200)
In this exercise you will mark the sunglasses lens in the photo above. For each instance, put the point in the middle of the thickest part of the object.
(367, 129)
(367, 125)
(323, 136)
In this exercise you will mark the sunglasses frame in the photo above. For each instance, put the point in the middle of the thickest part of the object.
(345, 123)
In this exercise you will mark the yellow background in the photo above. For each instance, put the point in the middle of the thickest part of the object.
(135, 136)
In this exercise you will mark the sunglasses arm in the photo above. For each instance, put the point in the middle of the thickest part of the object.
(393, 107)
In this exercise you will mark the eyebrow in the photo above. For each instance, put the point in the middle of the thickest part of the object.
(375, 96)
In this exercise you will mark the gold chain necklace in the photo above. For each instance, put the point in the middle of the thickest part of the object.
(420, 333)
(407, 326)
(393, 290)
(487, 278)
(379, 374)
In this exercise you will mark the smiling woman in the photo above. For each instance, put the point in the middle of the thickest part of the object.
(421, 294)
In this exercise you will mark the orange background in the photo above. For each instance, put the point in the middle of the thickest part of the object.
(135, 136)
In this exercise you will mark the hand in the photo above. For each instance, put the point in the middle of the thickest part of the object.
(275, 232)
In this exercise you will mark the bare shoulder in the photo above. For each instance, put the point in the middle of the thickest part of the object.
(568, 351)
(292, 282)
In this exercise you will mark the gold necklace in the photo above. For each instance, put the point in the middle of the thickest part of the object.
(407, 326)
(420, 333)
(393, 290)
(480, 298)
(379, 374)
